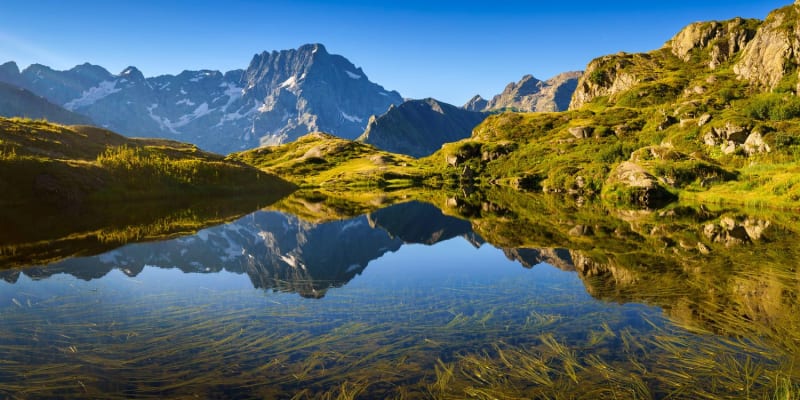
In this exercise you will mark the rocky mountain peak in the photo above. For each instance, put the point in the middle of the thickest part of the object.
(132, 74)
(477, 103)
(531, 94)
(10, 68)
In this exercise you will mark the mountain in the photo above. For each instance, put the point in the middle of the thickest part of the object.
(18, 102)
(420, 127)
(476, 104)
(279, 97)
(712, 116)
(531, 95)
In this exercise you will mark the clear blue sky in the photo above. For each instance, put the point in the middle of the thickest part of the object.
(449, 50)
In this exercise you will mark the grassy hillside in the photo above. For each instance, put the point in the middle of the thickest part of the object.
(322, 160)
(67, 167)
(687, 117)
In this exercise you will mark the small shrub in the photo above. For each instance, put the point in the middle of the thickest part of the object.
(773, 106)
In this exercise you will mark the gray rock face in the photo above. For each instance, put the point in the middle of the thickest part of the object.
(19, 102)
(776, 46)
(604, 76)
(476, 104)
(532, 95)
(723, 39)
(420, 127)
(278, 98)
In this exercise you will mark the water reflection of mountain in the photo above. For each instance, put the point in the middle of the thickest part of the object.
(282, 252)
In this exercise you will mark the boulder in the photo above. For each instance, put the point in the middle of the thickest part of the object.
(703, 119)
(641, 188)
(755, 144)
(581, 132)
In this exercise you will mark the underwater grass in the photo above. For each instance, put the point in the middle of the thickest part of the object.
(549, 346)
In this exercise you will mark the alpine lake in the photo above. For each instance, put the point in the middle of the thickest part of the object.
(495, 295)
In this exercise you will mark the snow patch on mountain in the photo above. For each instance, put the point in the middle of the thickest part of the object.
(353, 75)
(351, 118)
(91, 96)
(163, 123)
(290, 83)
(233, 92)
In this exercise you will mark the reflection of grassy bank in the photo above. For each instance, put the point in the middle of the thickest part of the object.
(32, 236)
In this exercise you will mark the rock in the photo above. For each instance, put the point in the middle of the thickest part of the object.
(729, 133)
(604, 76)
(755, 144)
(724, 39)
(755, 227)
(533, 95)
(704, 119)
(581, 132)
(703, 249)
(711, 231)
(728, 147)
(641, 187)
(581, 230)
(453, 160)
(476, 104)
(775, 45)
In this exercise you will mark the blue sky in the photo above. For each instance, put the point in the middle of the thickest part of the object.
(449, 50)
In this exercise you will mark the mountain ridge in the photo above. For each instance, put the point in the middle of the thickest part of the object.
(531, 95)
(280, 96)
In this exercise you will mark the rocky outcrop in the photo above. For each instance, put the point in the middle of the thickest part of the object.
(581, 132)
(604, 76)
(774, 51)
(281, 96)
(420, 127)
(637, 186)
(476, 104)
(721, 40)
(533, 95)
(732, 137)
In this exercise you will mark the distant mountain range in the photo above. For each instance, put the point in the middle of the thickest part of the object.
(531, 95)
(277, 98)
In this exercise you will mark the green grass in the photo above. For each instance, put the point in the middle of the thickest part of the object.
(67, 167)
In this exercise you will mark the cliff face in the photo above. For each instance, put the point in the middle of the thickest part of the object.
(774, 52)
(604, 76)
(765, 54)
